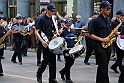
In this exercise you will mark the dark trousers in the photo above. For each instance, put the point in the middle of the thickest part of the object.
(17, 51)
(48, 57)
(39, 50)
(120, 56)
(121, 77)
(102, 59)
(1, 54)
(68, 64)
(25, 40)
(89, 49)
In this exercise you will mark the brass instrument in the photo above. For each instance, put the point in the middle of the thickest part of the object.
(3, 38)
(25, 31)
(112, 36)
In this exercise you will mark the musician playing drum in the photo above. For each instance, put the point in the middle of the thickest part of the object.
(121, 77)
(119, 52)
(69, 36)
(45, 25)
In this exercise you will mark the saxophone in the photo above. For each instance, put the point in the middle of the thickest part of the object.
(112, 36)
(26, 29)
(3, 38)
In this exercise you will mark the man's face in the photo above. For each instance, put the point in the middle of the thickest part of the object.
(106, 10)
(123, 18)
(78, 18)
(50, 12)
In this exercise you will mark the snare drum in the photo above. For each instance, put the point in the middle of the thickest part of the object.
(57, 45)
(76, 51)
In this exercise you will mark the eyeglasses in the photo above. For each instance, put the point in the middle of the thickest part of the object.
(78, 18)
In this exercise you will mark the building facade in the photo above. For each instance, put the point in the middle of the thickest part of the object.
(30, 8)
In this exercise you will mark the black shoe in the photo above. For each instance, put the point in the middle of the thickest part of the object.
(39, 78)
(1, 74)
(120, 82)
(12, 49)
(69, 81)
(2, 57)
(86, 63)
(20, 63)
(13, 61)
(59, 60)
(53, 81)
(114, 69)
(62, 75)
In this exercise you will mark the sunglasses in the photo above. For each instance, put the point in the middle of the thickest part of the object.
(78, 18)
(108, 8)
(52, 11)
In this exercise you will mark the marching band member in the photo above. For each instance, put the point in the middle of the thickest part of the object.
(16, 31)
(67, 34)
(25, 38)
(39, 47)
(2, 33)
(89, 48)
(119, 52)
(45, 25)
(99, 30)
(121, 77)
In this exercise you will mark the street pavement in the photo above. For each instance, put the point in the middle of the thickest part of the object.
(26, 73)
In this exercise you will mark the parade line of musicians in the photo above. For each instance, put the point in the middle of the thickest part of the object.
(37, 32)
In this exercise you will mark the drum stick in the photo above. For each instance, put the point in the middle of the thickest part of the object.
(78, 41)
(55, 24)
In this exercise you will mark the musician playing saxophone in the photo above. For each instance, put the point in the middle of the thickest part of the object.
(16, 31)
(2, 33)
(119, 52)
(100, 28)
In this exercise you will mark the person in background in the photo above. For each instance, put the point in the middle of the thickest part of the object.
(89, 48)
(16, 31)
(99, 30)
(25, 38)
(78, 25)
(1, 15)
(39, 45)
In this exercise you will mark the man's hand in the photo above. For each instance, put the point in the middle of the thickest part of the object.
(44, 44)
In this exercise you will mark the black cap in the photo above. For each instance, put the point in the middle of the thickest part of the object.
(23, 17)
(51, 7)
(62, 21)
(18, 17)
(95, 13)
(105, 4)
(43, 9)
(68, 23)
(120, 12)
(1, 12)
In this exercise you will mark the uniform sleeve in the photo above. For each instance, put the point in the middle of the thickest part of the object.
(92, 26)
(122, 31)
(39, 23)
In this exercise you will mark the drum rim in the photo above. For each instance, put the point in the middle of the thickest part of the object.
(77, 50)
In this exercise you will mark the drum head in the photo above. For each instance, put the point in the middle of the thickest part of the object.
(55, 42)
(75, 49)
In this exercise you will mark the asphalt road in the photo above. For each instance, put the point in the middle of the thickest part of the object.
(26, 73)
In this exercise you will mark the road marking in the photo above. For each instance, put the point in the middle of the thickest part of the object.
(28, 78)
